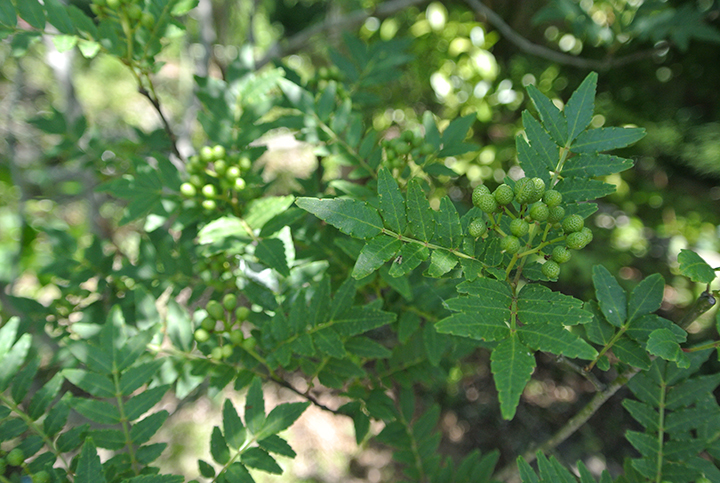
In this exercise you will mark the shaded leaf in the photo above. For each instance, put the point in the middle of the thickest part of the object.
(555, 339)
(392, 203)
(233, 428)
(611, 297)
(512, 365)
(606, 138)
(89, 469)
(352, 217)
(420, 216)
(260, 459)
(579, 109)
(553, 120)
(281, 418)
(374, 254)
(646, 297)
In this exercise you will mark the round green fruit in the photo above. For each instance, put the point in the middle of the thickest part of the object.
(427, 149)
(556, 214)
(215, 310)
(220, 167)
(227, 351)
(209, 191)
(504, 195)
(487, 203)
(244, 163)
(551, 269)
(206, 154)
(113, 4)
(539, 190)
(560, 254)
(552, 198)
(477, 228)
(15, 457)
(147, 20)
(209, 205)
(587, 232)
(402, 149)
(216, 353)
(242, 313)
(524, 190)
(510, 244)
(539, 211)
(232, 173)
(237, 337)
(188, 190)
(573, 223)
(202, 335)
(134, 12)
(218, 152)
(576, 241)
(519, 227)
(239, 184)
(208, 323)
(478, 192)
(229, 301)
(41, 477)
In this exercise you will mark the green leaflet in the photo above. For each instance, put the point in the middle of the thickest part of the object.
(411, 255)
(532, 163)
(89, 469)
(555, 339)
(374, 254)
(583, 189)
(512, 365)
(593, 164)
(694, 267)
(663, 343)
(539, 304)
(611, 297)
(352, 217)
(579, 109)
(646, 297)
(606, 139)
(420, 216)
(553, 120)
(392, 203)
(448, 228)
(543, 145)
(271, 252)
(233, 428)
(441, 262)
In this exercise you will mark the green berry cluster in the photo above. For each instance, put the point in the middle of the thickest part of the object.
(127, 10)
(409, 145)
(16, 457)
(536, 213)
(215, 175)
(219, 332)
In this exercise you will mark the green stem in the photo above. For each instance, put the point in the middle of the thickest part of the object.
(661, 433)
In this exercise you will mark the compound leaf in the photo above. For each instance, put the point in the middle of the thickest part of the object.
(281, 418)
(411, 255)
(662, 343)
(260, 459)
(374, 254)
(646, 297)
(420, 214)
(586, 165)
(271, 252)
(583, 189)
(89, 469)
(606, 138)
(449, 229)
(579, 109)
(553, 120)
(538, 304)
(555, 339)
(611, 297)
(233, 428)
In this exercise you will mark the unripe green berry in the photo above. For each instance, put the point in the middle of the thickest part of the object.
(427, 149)
(188, 190)
(576, 241)
(209, 191)
(113, 4)
(215, 310)
(206, 154)
(551, 269)
(232, 173)
(197, 181)
(216, 354)
(524, 190)
(227, 351)
(209, 205)
(555, 214)
(237, 337)
(245, 163)
(202, 335)
(402, 149)
(242, 313)
(587, 232)
(561, 254)
(478, 192)
(220, 167)
(147, 20)
(208, 323)
(552, 198)
(239, 184)
(15, 457)
(519, 227)
(538, 191)
(218, 152)
(504, 195)
(134, 12)
(539, 211)
(477, 228)
(510, 244)
(229, 301)
(572, 224)
(487, 203)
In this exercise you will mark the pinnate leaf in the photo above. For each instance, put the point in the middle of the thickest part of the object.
(694, 267)
(594, 164)
(646, 297)
(352, 217)
(411, 255)
(583, 189)
(662, 343)
(539, 304)
(281, 418)
(630, 352)
(512, 364)
(89, 469)
(260, 459)
(218, 447)
(555, 339)
(271, 252)
(233, 428)
(449, 229)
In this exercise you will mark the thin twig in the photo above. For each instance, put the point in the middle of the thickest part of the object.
(552, 55)
(166, 124)
(509, 473)
(282, 382)
(351, 20)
